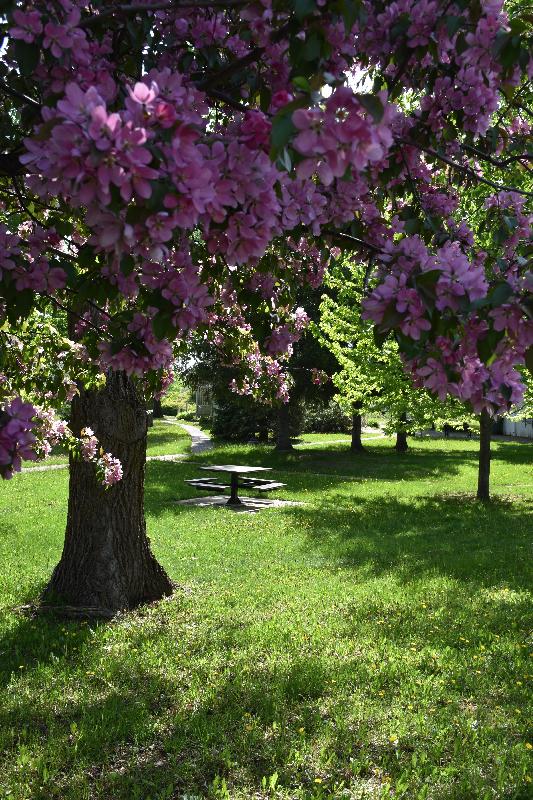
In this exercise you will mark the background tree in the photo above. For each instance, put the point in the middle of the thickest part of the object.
(371, 378)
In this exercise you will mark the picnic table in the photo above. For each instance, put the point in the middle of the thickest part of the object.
(236, 482)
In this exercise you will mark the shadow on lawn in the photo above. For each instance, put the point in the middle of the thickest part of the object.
(134, 743)
(138, 731)
(34, 641)
(456, 536)
(165, 481)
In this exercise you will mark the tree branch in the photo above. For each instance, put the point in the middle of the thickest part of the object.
(347, 237)
(19, 95)
(496, 162)
(225, 98)
(138, 8)
(229, 70)
(466, 169)
(23, 204)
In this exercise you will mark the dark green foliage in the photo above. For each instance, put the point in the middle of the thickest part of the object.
(239, 420)
(322, 418)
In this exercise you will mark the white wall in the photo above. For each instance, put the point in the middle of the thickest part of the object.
(519, 427)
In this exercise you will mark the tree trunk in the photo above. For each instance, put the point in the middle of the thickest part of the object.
(357, 445)
(157, 409)
(485, 433)
(283, 438)
(401, 445)
(107, 564)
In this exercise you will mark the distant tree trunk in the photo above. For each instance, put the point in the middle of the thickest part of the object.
(262, 432)
(283, 438)
(357, 422)
(157, 409)
(401, 445)
(107, 564)
(485, 434)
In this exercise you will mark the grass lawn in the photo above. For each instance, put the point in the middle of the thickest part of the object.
(372, 643)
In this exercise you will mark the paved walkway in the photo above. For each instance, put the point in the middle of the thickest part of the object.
(200, 441)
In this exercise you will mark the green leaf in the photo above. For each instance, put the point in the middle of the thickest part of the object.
(453, 24)
(428, 280)
(500, 294)
(86, 256)
(162, 325)
(487, 345)
(373, 105)
(400, 26)
(379, 336)
(64, 227)
(21, 305)
(304, 8)
(301, 82)
(391, 317)
(27, 56)
(281, 133)
(529, 359)
(412, 226)
(127, 264)
(312, 49)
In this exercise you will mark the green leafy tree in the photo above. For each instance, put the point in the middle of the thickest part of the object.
(371, 378)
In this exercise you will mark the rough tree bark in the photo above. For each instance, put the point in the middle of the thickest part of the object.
(356, 445)
(283, 437)
(107, 564)
(485, 434)
(401, 445)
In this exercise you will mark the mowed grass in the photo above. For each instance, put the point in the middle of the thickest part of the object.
(372, 643)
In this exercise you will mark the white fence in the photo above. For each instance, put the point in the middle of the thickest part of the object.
(518, 427)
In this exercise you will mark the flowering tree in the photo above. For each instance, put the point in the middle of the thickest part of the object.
(174, 164)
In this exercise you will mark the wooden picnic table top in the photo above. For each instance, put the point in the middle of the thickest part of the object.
(236, 468)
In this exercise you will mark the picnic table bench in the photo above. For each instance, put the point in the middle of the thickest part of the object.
(236, 482)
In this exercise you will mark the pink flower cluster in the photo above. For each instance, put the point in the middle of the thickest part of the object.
(283, 336)
(17, 441)
(146, 352)
(28, 433)
(22, 259)
(264, 378)
(415, 284)
(340, 137)
(108, 469)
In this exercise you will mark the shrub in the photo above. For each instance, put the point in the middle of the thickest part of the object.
(325, 419)
(239, 422)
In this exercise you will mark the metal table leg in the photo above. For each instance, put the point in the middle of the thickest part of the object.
(234, 499)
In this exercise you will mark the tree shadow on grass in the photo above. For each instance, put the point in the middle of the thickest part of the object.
(322, 469)
(135, 729)
(142, 730)
(35, 641)
(514, 453)
(485, 545)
